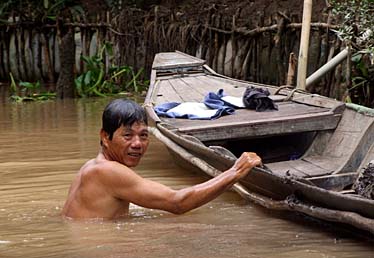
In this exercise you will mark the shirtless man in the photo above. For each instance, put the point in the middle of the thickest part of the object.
(105, 186)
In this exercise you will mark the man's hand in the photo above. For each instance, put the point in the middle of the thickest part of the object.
(245, 163)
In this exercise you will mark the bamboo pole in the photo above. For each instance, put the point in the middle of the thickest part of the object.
(317, 75)
(304, 44)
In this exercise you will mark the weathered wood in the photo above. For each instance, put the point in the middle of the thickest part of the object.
(2, 73)
(318, 114)
(65, 82)
(334, 182)
(298, 168)
(13, 56)
(35, 44)
(272, 28)
(4, 56)
(369, 157)
(355, 137)
(168, 93)
(334, 200)
(48, 59)
(21, 53)
(290, 118)
(291, 69)
(229, 88)
(304, 45)
(175, 60)
(28, 54)
(185, 91)
(150, 98)
(200, 86)
(204, 85)
(138, 35)
(303, 183)
(291, 204)
(245, 123)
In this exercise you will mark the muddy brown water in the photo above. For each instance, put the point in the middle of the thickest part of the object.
(42, 145)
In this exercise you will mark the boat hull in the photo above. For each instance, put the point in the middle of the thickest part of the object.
(335, 144)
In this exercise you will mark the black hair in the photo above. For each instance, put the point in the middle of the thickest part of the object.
(122, 112)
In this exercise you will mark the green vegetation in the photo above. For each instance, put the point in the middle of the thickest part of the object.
(356, 18)
(27, 91)
(96, 81)
(118, 79)
(35, 11)
(362, 90)
(357, 22)
(357, 31)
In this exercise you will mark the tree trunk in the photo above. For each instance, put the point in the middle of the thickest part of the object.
(65, 82)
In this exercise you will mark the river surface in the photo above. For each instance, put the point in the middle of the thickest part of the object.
(42, 146)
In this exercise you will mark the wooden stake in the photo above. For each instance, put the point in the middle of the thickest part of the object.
(304, 45)
(291, 69)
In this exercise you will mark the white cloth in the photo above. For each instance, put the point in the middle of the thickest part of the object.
(235, 101)
(193, 109)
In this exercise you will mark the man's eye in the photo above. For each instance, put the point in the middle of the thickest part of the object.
(127, 136)
(144, 136)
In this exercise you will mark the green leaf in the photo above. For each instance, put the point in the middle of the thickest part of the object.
(13, 85)
(356, 58)
(363, 69)
(77, 9)
(52, 17)
(78, 85)
(88, 78)
(26, 85)
(348, 99)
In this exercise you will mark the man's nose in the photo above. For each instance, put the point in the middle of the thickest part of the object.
(136, 143)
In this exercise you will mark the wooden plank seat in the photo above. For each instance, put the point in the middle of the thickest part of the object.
(292, 116)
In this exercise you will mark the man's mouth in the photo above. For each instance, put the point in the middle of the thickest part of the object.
(135, 155)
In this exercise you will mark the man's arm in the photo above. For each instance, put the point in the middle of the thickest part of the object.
(129, 186)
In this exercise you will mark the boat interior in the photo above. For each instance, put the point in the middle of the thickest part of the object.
(309, 136)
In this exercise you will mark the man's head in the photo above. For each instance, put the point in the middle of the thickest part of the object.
(122, 112)
(124, 135)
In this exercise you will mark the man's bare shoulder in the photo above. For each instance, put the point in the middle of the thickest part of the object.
(107, 171)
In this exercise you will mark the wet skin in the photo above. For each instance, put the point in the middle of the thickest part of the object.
(104, 186)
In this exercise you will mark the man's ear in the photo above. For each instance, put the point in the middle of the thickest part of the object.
(104, 137)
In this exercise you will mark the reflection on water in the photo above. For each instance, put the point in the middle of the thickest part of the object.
(42, 146)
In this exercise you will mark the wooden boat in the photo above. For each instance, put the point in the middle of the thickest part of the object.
(313, 147)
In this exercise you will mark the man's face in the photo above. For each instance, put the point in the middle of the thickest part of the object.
(129, 144)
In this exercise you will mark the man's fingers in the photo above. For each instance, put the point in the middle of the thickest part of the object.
(253, 158)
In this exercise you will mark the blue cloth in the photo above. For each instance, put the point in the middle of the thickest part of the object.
(189, 110)
(215, 101)
(162, 109)
(212, 108)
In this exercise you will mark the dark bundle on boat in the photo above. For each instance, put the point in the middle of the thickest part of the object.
(364, 184)
(258, 99)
